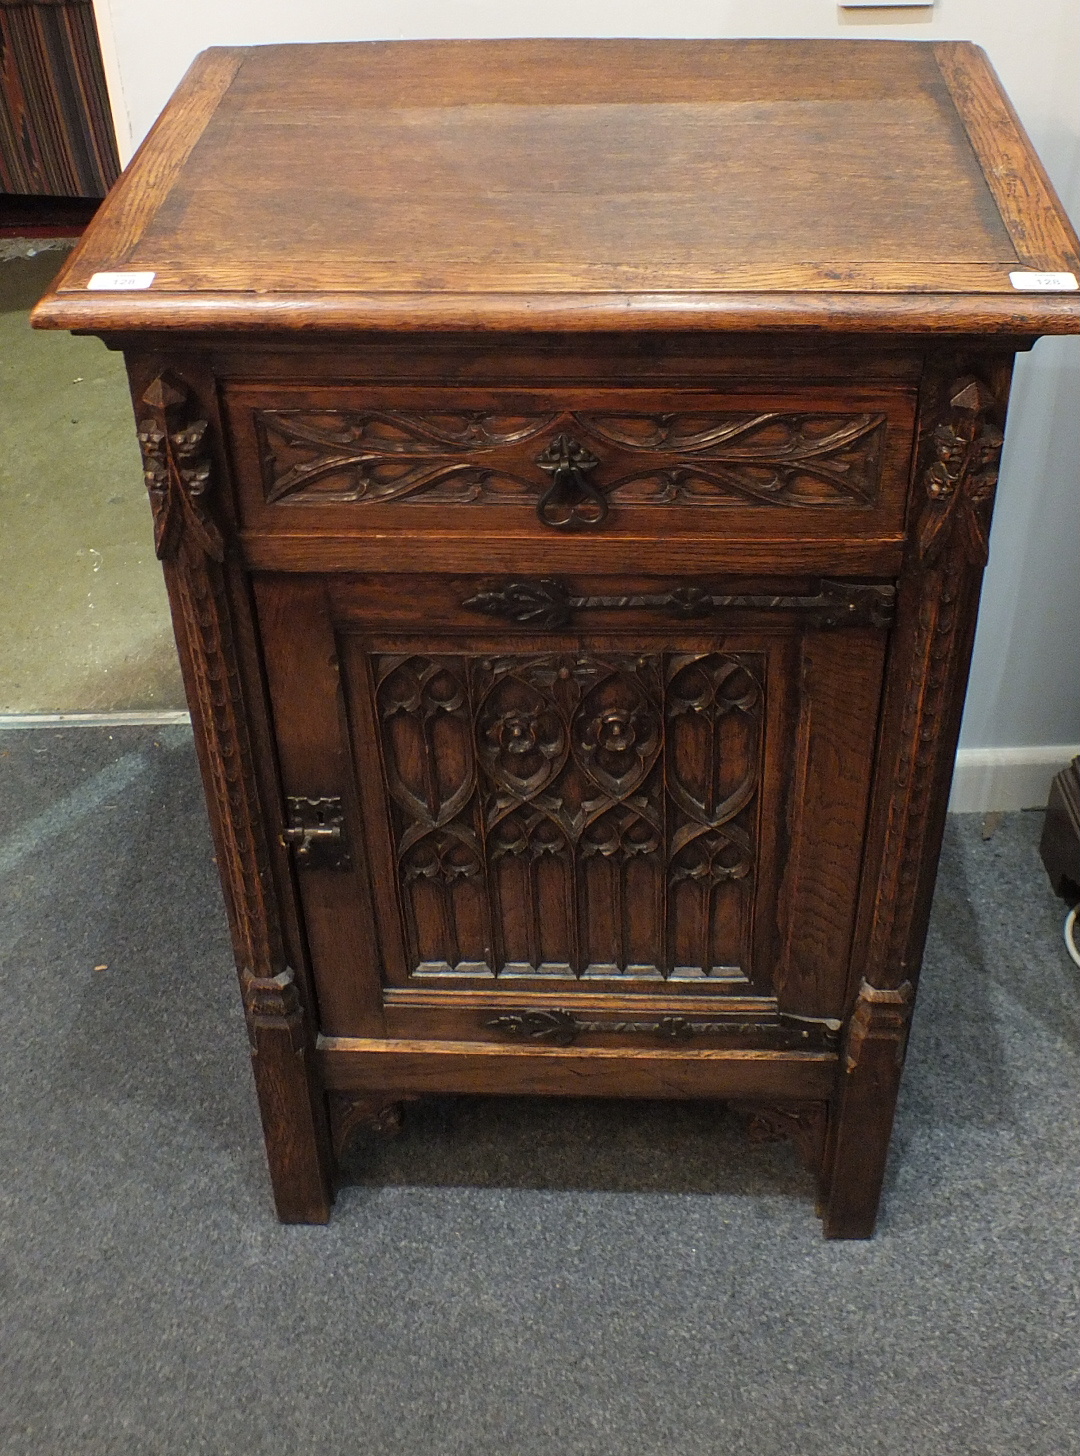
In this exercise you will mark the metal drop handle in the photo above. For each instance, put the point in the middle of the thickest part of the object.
(571, 502)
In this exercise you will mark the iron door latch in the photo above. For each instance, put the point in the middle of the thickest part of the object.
(316, 830)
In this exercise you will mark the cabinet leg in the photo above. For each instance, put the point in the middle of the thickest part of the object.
(862, 1118)
(293, 1126)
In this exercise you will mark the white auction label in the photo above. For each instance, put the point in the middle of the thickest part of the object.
(1045, 282)
(121, 280)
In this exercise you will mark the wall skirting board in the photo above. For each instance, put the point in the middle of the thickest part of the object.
(985, 779)
(989, 779)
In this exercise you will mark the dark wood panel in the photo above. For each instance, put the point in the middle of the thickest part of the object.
(503, 554)
(371, 1065)
(56, 132)
(301, 664)
(841, 679)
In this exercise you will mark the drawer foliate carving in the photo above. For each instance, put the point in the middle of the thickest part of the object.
(393, 455)
(574, 814)
(772, 458)
(447, 457)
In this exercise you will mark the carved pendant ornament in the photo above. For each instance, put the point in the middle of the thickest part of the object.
(176, 468)
(960, 481)
(574, 815)
(590, 461)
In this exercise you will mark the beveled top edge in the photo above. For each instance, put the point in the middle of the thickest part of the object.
(856, 313)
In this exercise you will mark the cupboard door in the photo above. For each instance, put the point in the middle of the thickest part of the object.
(612, 808)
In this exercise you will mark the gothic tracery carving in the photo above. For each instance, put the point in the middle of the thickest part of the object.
(618, 789)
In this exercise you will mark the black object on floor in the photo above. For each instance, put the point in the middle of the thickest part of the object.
(45, 217)
(510, 1276)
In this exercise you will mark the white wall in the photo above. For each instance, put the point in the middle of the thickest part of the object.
(1025, 687)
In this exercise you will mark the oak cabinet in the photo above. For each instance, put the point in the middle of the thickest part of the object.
(574, 519)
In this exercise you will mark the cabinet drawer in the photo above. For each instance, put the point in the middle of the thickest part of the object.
(769, 464)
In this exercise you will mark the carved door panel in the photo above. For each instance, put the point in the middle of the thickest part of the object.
(577, 813)
(624, 804)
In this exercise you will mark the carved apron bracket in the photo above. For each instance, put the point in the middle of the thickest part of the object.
(802, 1124)
(364, 1117)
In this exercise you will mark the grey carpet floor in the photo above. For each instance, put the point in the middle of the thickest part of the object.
(571, 1279)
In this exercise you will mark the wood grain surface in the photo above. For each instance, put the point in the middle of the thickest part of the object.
(500, 183)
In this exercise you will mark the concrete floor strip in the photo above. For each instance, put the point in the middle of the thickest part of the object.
(144, 718)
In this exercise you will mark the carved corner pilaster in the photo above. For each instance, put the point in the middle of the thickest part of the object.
(802, 1124)
(174, 435)
(961, 437)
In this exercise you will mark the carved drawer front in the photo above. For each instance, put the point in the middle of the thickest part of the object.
(824, 462)
(650, 790)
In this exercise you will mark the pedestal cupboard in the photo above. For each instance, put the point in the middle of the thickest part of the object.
(572, 465)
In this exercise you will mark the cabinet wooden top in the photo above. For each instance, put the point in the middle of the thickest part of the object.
(568, 184)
